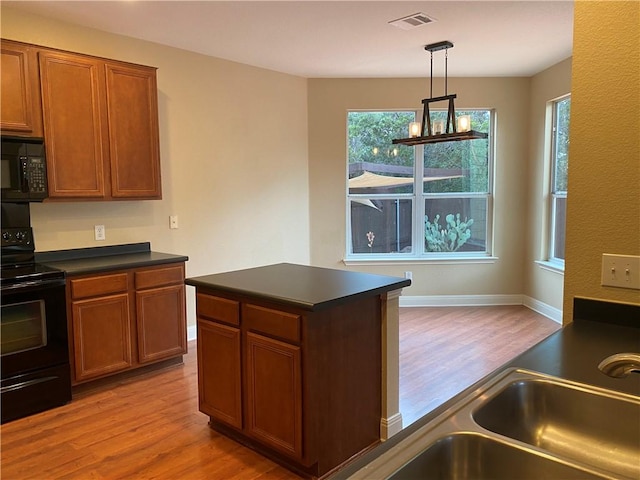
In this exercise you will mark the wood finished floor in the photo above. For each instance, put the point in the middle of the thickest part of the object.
(443, 350)
(149, 427)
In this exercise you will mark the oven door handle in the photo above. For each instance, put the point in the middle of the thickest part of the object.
(33, 285)
(28, 383)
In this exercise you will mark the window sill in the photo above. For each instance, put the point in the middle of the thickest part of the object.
(419, 261)
(551, 266)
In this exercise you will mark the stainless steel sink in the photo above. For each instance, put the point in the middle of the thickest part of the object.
(591, 426)
(525, 425)
(468, 455)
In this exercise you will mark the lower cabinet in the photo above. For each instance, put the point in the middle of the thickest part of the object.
(274, 393)
(219, 375)
(101, 336)
(126, 319)
(301, 387)
(161, 323)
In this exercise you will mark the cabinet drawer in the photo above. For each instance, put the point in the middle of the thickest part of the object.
(272, 322)
(158, 277)
(100, 285)
(217, 308)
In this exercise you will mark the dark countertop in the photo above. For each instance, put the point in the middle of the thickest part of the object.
(310, 288)
(599, 329)
(101, 259)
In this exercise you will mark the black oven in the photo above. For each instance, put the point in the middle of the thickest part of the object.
(33, 337)
(23, 173)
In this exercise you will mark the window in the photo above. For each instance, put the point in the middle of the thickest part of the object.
(559, 165)
(403, 208)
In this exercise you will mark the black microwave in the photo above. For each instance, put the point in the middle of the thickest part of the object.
(23, 176)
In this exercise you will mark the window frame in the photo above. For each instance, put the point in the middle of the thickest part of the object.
(555, 195)
(418, 198)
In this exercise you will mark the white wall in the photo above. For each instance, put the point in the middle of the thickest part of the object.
(233, 146)
(542, 284)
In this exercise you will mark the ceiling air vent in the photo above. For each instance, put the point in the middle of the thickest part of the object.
(412, 21)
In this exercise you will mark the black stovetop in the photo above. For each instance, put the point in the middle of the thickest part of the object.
(12, 275)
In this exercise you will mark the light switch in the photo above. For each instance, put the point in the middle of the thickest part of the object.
(621, 271)
(173, 221)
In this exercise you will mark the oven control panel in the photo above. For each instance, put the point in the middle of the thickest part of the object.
(16, 237)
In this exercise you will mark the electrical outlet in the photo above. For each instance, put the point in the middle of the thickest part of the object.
(621, 271)
(173, 221)
(408, 275)
(99, 231)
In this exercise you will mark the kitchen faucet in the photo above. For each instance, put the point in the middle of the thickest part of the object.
(620, 365)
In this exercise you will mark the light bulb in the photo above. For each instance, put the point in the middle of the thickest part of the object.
(464, 123)
(414, 129)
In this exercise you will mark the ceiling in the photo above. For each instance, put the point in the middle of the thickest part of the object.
(341, 38)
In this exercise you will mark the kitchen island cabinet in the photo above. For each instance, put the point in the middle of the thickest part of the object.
(219, 366)
(290, 360)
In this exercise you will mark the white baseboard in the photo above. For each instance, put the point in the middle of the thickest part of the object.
(548, 311)
(390, 426)
(460, 300)
(482, 300)
(191, 332)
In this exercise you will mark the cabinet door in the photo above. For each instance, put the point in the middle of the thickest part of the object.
(133, 131)
(73, 126)
(21, 112)
(219, 372)
(101, 336)
(274, 394)
(161, 319)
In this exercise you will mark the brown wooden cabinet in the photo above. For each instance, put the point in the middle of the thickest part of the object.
(21, 112)
(274, 393)
(101, 325)
(160, 317)
(75, 133)
(219, 362)
(132, 117)
(126, 319)
(272, 383)
(302, 387)
(100, 126)
(99, 119)
(219, 377)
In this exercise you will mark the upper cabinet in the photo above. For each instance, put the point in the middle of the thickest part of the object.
(100, 123)
(21, 112)
(132, 117)
(75, 133)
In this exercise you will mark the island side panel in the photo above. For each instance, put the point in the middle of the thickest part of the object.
(391, 421)
(344, 364)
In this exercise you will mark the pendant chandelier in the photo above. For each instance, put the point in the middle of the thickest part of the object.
(454, 129)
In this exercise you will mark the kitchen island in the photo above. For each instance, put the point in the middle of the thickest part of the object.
(292, 361)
